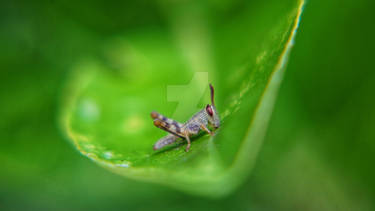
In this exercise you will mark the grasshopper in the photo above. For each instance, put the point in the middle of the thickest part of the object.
(200, 121)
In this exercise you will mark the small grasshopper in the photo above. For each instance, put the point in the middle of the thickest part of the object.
(200, 121)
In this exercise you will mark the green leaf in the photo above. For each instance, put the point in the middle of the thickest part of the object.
(242, 49)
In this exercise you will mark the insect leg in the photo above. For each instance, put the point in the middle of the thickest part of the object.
(206, 129)
(188, 142)
(168, 128)
(167, 124)
(155, 115)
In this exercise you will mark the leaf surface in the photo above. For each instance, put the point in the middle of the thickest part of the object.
(241, 50)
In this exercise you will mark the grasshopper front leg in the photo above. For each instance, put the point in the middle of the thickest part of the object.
(203, 127)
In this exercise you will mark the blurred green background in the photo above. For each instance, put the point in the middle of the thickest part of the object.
(318, 152)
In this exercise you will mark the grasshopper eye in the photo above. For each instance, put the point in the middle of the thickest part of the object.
(209, 110)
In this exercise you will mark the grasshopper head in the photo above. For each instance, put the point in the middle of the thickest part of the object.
(213, 115)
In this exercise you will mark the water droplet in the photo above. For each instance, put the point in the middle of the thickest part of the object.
(108, 155)
(125, 165)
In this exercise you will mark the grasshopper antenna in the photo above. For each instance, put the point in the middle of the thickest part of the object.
(212, 95)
